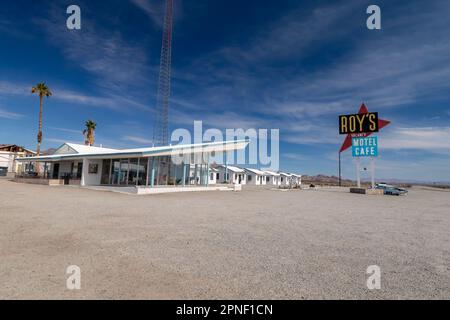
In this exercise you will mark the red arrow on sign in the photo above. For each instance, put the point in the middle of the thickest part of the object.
(348, 139)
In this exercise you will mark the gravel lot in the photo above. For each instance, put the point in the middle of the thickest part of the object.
(254, 244)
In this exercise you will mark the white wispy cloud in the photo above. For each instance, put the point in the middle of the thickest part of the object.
(10, 115)
(112, 101)
(436, 139)
(403, 65)
(73, 131)
(119, 67)
(153, 9)
(136, 139)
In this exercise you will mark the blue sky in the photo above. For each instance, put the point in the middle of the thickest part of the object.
(292, 65)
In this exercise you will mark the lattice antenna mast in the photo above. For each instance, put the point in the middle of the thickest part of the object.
(161, 125)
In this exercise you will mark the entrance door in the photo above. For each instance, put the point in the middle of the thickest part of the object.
(55, 171)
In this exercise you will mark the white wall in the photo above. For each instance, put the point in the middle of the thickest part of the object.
(234, 176)
(91, 179)
(222, 175)
(6, 160)
(254, 180)
(286, 180)
(274, 180)
(257, 180)
(212, 177)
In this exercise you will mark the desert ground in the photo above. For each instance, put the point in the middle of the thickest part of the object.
(253, 244)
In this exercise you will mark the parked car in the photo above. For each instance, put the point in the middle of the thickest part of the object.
(391, 190)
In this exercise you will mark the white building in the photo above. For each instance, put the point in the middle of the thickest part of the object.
(285, 179)
(231, 174)
(213, 175)
(145, 167)
(272, 178)
(8, 158)
(296, 179)
(255, 177)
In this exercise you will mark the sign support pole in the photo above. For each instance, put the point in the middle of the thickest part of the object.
(358, 172)
(372, 164)
(339, 168)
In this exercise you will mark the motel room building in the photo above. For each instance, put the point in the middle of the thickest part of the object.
(255, 177)
(231, 175)
(285, 179)
(213, 175)
(179, 165)
(272, 178)
(296, 179)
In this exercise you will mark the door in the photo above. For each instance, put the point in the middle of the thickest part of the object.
(55, 171)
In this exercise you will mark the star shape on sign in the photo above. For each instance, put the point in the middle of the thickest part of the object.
(348, 139)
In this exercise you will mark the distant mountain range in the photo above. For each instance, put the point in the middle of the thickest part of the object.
(321, 179)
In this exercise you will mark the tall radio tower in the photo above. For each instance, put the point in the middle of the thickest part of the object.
(161, 125)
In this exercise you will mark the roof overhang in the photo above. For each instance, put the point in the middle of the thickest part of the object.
(177, 150)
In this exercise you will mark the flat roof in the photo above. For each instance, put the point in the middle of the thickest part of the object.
(256, 171)
(232, 168)
(81, 151)
(271, 173)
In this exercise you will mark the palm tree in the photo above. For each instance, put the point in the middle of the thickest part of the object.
(89, 133)
(43, 91)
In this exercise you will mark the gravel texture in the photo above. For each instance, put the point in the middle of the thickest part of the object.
(254, 244)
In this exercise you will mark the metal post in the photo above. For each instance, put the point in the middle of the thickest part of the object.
(372, 165)
(358, 172)
(340, 179)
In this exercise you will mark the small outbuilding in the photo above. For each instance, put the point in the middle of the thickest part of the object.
(285, 179)
(256, 177)
(272, 178)
(231, 174)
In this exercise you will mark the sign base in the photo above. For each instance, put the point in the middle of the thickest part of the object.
(374, 192)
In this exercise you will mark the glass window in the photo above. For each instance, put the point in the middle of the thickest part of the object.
(115, 172)
(133, 172)
(142, 174)
(123, 174)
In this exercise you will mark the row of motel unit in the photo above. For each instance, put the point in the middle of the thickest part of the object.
(248, 176)
(83, 165)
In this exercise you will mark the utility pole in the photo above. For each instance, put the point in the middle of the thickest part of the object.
(340, 179)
